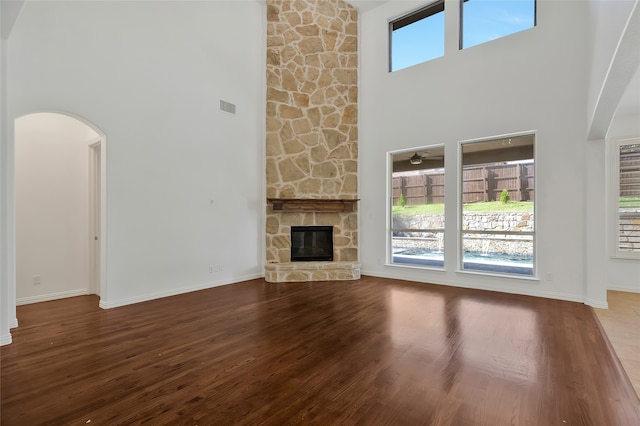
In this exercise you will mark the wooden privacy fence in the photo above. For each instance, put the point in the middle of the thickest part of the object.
(479, 183)
(630, 172)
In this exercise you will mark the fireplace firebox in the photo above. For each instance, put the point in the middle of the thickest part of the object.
(311, 243)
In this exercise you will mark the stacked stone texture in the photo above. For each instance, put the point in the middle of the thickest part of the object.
(520, 221)
(311, 118)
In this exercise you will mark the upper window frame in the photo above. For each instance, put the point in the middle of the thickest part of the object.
(460, 209)
(424, 12)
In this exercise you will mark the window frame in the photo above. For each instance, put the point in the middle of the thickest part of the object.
(423, 12)
(461, 26)
(389, 220)
(460, 211)
(616, 253)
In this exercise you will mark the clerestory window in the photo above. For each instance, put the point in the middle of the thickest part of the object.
(485, 20)
(417, 37)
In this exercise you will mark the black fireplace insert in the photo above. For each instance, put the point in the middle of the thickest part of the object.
(311, 243)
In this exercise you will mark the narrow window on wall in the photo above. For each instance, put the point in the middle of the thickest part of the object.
(486, 20)
(627, 167)
(498, 196)
(417, 37)
(417, 207)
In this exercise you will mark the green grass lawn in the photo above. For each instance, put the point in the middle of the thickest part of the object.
(626, 202)
(419, 210)
(488, 207)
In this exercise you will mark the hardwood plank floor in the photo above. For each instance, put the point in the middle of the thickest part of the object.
(374, 351)
(621, 322)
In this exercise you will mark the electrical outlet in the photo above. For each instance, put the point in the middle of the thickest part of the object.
(36, 280)
(217, 268)
(211, 269)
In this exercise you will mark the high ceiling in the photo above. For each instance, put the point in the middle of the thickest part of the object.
(629, 104)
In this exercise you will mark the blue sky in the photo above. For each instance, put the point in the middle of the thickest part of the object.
(484, 20)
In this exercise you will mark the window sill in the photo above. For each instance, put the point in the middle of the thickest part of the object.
(626, 256)
(490, 274)
(422, 268)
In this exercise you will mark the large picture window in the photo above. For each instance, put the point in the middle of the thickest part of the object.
(417, 37)
(417, 207)
(497, 198)
(627, 204)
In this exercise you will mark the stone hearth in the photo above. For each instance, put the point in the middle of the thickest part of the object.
(311, 271)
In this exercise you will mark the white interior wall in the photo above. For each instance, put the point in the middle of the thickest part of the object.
(607, 23)
(184, 179)
(52, 206)
(7, 304)
(532, 80)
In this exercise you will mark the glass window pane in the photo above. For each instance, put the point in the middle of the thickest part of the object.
(498, 206)
(629, 198)
(417, 210)
(419, 41)
(485, 20)
(498, 253)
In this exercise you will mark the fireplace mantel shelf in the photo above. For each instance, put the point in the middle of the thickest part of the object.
(312, 204)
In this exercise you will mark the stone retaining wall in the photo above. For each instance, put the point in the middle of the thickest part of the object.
(629, 237)
(483, 243)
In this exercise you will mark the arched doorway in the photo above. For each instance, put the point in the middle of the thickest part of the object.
(60, 181)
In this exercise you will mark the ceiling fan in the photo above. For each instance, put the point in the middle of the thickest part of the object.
(417, 159)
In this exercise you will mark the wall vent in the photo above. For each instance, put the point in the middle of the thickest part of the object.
(227, 106)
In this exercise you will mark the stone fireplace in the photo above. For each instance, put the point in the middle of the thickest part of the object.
(312, 135)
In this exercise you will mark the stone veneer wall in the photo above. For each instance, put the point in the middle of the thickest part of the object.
(312, 122)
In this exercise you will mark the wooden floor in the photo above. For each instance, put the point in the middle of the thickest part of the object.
(622, 325)
(374, 351)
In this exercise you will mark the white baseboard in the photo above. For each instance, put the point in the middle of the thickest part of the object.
(510, 290)
(51, 296)
(625, 289)
(13, 323)
(174, 292)
(5, 339)
(596, 303)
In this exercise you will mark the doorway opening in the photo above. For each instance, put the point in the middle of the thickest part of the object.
(59, 207)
